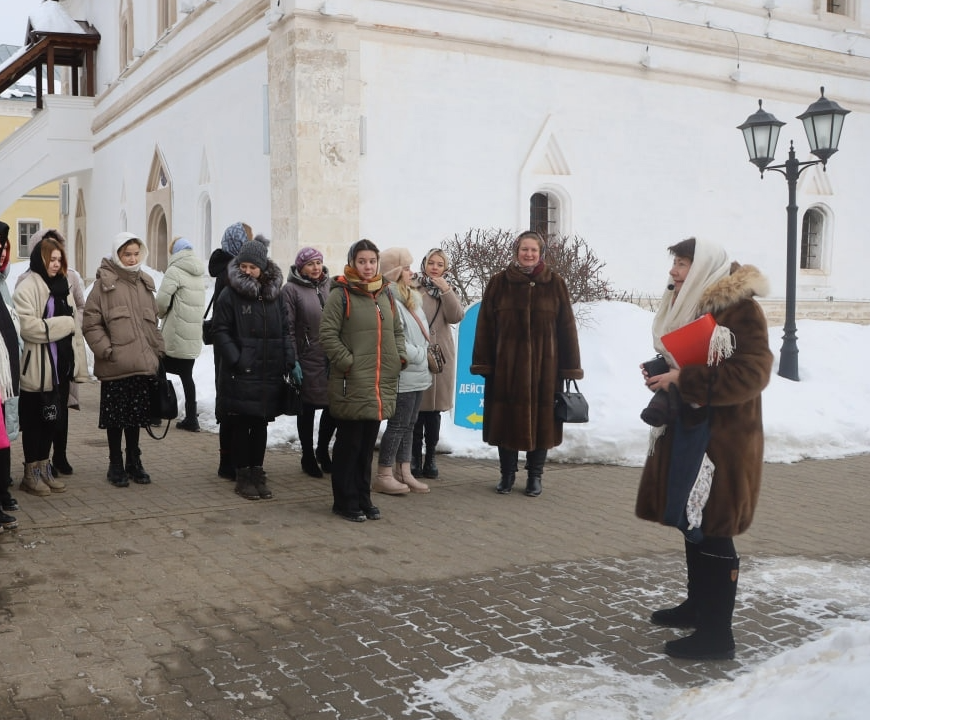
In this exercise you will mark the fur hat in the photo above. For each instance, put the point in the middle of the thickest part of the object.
(180, 244)
(234, 236)
(254, 252)
(307, 254)
(393, 261)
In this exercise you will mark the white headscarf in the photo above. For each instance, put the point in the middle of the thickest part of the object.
(710, 265)
(122, 239)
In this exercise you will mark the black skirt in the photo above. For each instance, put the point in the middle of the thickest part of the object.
(125, 402)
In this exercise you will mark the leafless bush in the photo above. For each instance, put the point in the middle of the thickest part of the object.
(480, 253)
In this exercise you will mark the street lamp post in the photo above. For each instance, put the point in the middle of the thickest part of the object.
(822, 122)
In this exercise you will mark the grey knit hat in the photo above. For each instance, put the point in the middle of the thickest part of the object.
(254, 252)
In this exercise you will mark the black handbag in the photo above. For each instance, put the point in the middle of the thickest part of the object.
(163, 401)
(570, 406)
(290, 402)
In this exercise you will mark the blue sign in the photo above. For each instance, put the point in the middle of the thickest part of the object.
(468, 393)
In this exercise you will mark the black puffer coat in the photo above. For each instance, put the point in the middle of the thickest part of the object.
(251, 336)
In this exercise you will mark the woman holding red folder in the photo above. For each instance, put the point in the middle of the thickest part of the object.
(719, 407)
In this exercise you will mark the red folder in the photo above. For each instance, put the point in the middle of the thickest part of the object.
(689, 344)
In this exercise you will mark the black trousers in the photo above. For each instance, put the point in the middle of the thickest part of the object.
(36, 433)
(352, 464)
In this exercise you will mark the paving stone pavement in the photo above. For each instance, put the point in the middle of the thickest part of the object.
(179, 599)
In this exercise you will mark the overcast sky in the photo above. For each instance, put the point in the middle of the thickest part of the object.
(13, 20)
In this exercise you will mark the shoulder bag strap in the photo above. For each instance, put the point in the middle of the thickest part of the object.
(422, 328)
(205, 312)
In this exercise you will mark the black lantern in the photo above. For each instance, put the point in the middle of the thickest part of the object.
(823, 122)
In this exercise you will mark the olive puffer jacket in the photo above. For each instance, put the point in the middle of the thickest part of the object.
(365, 344)
(250, 333)
(120, 323)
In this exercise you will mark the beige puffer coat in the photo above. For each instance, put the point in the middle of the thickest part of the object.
(120, 323)
(29, 300)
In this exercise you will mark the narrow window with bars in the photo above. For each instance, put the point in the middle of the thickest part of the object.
(811, 241)
(25, 231)
(543, 214)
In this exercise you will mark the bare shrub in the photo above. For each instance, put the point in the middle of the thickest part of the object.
(480, 253)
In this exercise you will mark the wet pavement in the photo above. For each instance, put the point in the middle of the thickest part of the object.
(179, 599)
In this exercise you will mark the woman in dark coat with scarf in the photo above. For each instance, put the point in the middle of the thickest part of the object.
(251, 335)
(526, 345)
(726, 391)
(304, 295)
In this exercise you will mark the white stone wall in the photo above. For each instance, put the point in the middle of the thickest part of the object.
(471, 107)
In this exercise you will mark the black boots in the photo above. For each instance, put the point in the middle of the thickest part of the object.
(416, 462)
(430, 464)
(259, 479)
(534, 465)
(246, 487)
(508, 470)
(716, 582)
(683, 615)
(134, 467)
(116, 475)
(328, 427)
(226, 470)
(309, 464)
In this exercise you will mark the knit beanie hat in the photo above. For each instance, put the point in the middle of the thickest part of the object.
(180, 244)
(254, 252)
(234, 236)
(393, 261)
(307, 254)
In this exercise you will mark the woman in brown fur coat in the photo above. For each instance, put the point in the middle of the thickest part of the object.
(727, 391)
(526, 345)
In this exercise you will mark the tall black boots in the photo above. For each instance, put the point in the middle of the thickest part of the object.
(683, 615)
(328, 426)
(535, 461)
(308, 457)
(508, 470)
(426, 429)
(713, 582)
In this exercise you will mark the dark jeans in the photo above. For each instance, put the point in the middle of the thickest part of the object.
(427, 428)
(352, 464)
(248, 436)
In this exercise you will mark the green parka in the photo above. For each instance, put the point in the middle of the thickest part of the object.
(366, 348)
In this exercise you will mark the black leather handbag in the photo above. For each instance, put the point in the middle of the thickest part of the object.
(570, 406)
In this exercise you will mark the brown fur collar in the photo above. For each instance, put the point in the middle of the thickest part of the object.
(743, 283)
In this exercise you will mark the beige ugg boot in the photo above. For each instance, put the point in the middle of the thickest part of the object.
(32, 481)
(386, 483)
(406, 477)
(46, 474)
